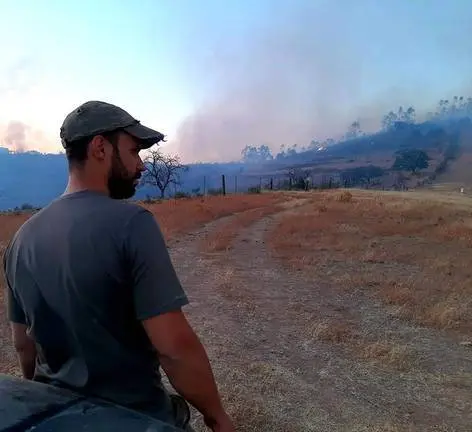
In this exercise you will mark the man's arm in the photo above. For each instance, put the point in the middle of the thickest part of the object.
(23, 343)
(25, 349)
(159, 297)
(185, 362)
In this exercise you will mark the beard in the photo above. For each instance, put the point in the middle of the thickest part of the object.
(121, 183)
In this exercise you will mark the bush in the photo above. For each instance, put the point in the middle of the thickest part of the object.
(345, 197)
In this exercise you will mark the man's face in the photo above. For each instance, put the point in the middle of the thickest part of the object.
(126, 168)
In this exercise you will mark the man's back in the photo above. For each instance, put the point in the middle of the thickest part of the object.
(82, 279)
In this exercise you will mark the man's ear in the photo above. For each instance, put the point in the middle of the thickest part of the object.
(98, 148)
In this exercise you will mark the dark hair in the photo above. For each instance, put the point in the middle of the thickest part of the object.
(76, 151)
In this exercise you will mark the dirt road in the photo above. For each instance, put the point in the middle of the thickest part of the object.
(262, 327)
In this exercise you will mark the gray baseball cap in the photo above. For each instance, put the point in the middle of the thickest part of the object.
(97, 117)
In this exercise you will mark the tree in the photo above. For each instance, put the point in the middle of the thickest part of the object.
(354, 130)
(253, 154)
(404, 116)
(264, 153)
(411, 160)
(409, 115)
(315, 145)
(162, 170)
(389, 120)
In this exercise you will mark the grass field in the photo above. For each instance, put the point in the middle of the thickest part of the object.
(326, 311)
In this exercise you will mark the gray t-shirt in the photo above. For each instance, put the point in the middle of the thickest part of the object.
(82, 273)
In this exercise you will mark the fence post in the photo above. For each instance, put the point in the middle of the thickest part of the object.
(204, 185)
(271, 183)
(223, 183)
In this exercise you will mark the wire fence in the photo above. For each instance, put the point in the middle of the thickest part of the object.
(236, 184)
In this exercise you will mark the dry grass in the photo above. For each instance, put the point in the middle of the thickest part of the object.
(179, 216)
(393, 355)
(9, 223)
(329, 330)
(342, 329)
(413, 253)
(221, 239)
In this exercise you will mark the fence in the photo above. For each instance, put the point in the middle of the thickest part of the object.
(224, 184)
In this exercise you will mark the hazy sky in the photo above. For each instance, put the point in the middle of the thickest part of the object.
(215, 76)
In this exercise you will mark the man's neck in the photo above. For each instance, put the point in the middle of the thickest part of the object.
(78, 184)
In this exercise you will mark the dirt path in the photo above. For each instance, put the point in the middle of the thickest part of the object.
(262, 326)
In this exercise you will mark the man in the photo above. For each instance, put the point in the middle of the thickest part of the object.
(93, 297)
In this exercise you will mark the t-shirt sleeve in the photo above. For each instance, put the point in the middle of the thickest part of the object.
(15, 312)
(156, 286)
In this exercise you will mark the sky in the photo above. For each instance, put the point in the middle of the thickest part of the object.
(215, 76)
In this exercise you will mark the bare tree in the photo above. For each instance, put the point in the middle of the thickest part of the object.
(162, 170)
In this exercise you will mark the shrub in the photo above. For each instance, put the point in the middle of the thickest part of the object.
(345, 197)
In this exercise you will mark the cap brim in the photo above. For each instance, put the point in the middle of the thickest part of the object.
(147, 136)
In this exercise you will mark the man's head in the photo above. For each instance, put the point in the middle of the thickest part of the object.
(102, 142)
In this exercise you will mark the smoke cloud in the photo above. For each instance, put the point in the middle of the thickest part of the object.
(15, 136)
(303, 76)
(282, 87)
(19, 137)
(17, 82)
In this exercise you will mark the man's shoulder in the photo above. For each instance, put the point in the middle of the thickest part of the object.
(117, 213)
(92, 204)
(126, 207)
(131, 209)
(125, 215)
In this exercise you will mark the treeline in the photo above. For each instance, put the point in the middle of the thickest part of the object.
(446, 109)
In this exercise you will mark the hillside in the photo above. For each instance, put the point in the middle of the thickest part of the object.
(368, 160)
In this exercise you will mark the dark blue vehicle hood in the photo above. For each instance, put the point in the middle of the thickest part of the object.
(33, 406)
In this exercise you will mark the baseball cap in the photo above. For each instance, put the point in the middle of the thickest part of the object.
(98, 117)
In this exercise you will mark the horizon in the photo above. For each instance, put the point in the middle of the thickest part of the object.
(214, 79)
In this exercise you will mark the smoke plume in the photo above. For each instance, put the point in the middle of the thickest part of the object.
(14, 137)
(19, 137)
(307, 74)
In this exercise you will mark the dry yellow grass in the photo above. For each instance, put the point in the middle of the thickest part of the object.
(413, 253)
(179, 216)
(329, 330)
(397, 356)
(221, 239)
(9, 223)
